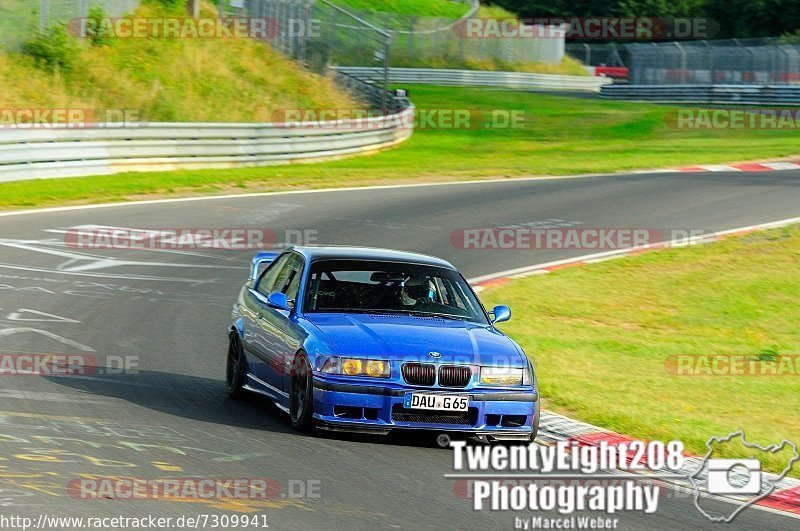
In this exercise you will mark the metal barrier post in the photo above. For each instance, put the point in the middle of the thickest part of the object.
(683, 61)
(385, 91)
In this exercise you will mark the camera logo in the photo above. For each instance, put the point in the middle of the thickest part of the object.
(739, 478)
(734, 476)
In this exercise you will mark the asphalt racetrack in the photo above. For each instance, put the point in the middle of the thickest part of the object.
(169, 311)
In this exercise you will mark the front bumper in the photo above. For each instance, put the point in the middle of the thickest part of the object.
(346, 406)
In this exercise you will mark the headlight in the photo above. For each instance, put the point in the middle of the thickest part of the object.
(351, 367)
(376, 369)
(502, 376)
(357, 367)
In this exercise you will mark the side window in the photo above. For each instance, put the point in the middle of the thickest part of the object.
(294, 285)
(268, 277)
(288, 280)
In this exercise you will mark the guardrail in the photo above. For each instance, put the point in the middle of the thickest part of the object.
(106, 149)
(478, 78)
(710, 94)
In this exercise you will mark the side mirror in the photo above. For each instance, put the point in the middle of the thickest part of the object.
(279, 301)
(500, 314)
(260, 260)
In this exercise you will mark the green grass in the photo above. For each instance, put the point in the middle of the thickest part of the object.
(428, 8)
(600, 336)
(562, 136)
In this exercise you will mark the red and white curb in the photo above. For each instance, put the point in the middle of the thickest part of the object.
(553, 427)
(747, 166)
(781, 165)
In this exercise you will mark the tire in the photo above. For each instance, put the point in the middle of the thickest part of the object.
(235, 368)
(301, 396)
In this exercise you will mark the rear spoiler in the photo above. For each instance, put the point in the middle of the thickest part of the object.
(259, 260)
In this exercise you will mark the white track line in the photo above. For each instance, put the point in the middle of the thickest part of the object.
(773, 165)
(309, 191)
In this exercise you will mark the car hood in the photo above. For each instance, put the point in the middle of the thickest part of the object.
(411, 338)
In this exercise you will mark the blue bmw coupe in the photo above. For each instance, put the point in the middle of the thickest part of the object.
(372, 340)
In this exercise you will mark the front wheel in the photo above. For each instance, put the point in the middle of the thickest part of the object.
(301, 407)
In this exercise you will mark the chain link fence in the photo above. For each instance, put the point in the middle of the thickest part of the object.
(454, 43)
(320, 33)
(724, 62)
(20, 19)
(315, 31)
(469, 41)
(450, 48)
(289, 22)
(344, 36)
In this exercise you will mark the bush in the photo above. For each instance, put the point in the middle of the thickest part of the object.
(790, 38)
(54, 48)
(95, 32)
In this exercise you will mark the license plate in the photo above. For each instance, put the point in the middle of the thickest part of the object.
(436, 402)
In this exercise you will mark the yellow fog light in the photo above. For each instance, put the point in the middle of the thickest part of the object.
(377, 369)
(351, 367)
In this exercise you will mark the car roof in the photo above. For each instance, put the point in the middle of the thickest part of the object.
(369, 253)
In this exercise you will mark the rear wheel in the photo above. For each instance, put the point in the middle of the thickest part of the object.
(235, 367)
(301, 407)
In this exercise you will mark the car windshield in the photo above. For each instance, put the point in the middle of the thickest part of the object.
(347, 286)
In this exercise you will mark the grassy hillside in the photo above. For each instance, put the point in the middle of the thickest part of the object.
(224, 80)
